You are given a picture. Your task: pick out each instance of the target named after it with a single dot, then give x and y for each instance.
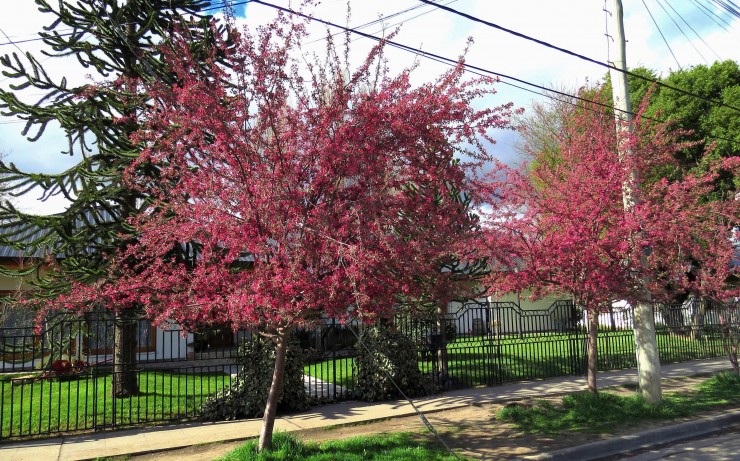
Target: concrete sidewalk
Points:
(146, 440)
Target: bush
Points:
(383, 357)
(247, 396)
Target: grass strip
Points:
(604, 412)
(400, 446)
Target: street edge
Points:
(631, 442)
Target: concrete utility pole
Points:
(648, 361)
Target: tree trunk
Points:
(125, 380)
(442, 331)
(276, 388)
(697, 325)
(612, 322)
(593, 331)
(728, 321)
(674, 318)
(648, 360)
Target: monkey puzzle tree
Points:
(333, 183)
(112, 39)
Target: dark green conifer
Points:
(110, 38)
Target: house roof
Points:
(24, 233)
(27, 235)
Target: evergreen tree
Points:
(111, 39)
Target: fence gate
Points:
(488, 343)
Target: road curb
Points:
(651, 438)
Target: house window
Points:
(17, 337)
(100, 333)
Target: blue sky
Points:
(577, 25)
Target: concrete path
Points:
(318, 388)
(146, 440)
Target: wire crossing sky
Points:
(695, 31)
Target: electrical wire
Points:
(434, 57)
(385, 18)
(418, 412)
(712, 15)
(680, 29)
(729, 6)
(473, 18)
(661, 34)
(36, 39)
(67, 34)
(692, 30)
(574, 54)
(475, 70)
(11, 41)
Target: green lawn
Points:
(86, 403)
(337, 371)
(470, 359)
(481, 361)
(387, 447)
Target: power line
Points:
(476, 70)
(384, 18)
(16, 42)
(680, 29)
(11, 42)
(692, 30)
(435, 57)
(729, 6)
(496, 26)
(577, 55)
(661, 33)
(418, 412)
(712, 15)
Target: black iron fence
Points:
(61, 379)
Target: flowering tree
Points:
(563, 224)
(301, 190)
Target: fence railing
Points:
(61, 379)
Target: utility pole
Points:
(648, 360)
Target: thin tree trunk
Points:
(730, 335)
(648, 360)
(697, 325)
(125, 381)
(612, 322)
(442, 329)
(276, 388)
(593, 331)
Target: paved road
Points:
(724, 446)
